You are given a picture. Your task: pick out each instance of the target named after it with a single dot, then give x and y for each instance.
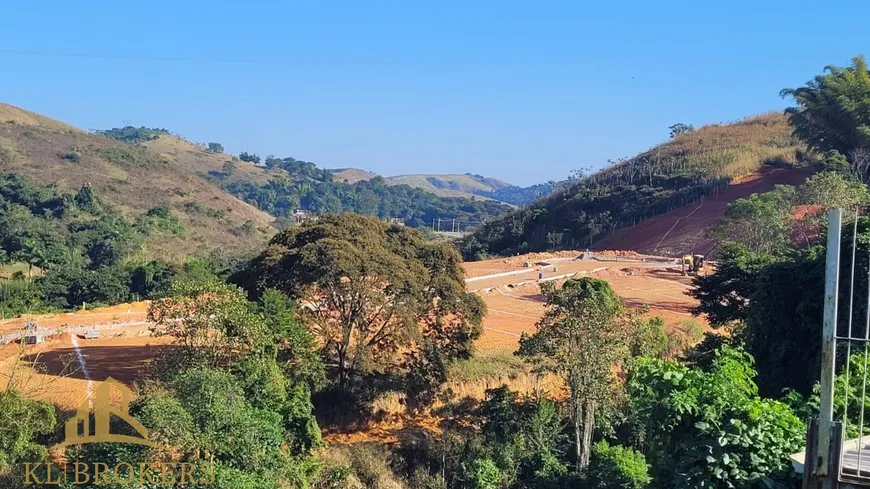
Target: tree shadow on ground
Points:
(123, 363)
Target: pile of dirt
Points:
(619, 254)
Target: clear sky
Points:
(523, 91)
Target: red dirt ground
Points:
(514, 310)
(50, 370)
(122, 313)
(682, 230)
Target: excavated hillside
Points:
(661, 185)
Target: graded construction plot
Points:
(122, 313)
(63, 370)
(515, 304)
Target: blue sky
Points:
(523, 91)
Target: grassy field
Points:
(444, 185)
(6, 271)
(450, 185)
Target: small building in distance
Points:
(397, 221)
(301, 215)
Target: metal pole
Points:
(829, 345)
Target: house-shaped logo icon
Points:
(102, 413)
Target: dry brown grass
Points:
(133, 180)
(193, 157)
(734, 149)
(14, 115)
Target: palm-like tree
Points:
(833, 109)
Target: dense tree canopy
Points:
(371, 292)
(130, 134)
(710, 429)
(316, 192)
(582, 337)
(833, 109)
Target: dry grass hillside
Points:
(194, 157)
(442, 185)
(134, 179)
(352, 175)
(729, 150)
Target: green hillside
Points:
(467, 183)
(667, 176)
(455, 185)
(133, 179)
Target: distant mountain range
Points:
(222, 201)
(455, 185)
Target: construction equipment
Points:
(687, 264)
(692, 264)
(698, 263)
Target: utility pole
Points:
(829, 347)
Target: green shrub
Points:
(693, 329)
(616, 467)
(193, 207)
(131, 157)
(130, 134)
(71, 156)
(483, 473)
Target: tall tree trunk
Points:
(578, 440)
(342, 368)
(584, 423)
(588, 425)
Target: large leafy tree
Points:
(371, 291)
(710, 428)
(211, 325)
(833, 109)
(772, 248)
(582, 337)
(234, 391)
(22, 423)
(723, 297)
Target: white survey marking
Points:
(81, 359)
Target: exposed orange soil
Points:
(497, 265)
(514, 310)
(130, 312)
(51, 371)
(682, 230)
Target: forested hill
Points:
(456, 185)
(667, 176)
(225, 202)
(282, 186)
(132, 180)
